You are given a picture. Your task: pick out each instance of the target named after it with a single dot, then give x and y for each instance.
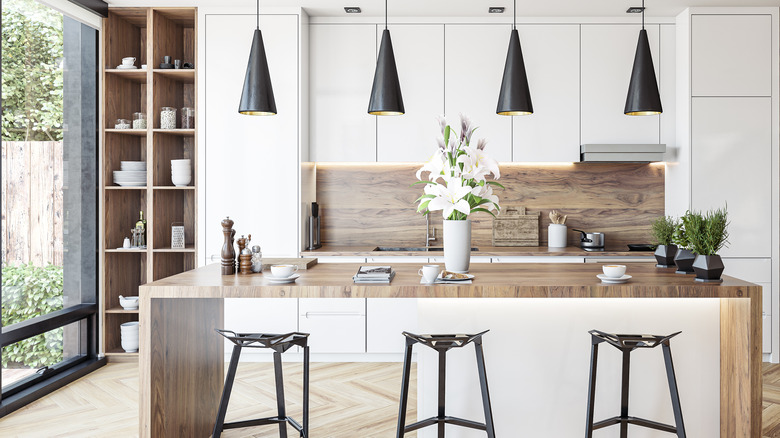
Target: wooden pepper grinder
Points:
(242, 243)
(244, 255)
(228, 250)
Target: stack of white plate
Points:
(129, 338)
(133, 174)
(181, 172)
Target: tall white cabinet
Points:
(729, 140)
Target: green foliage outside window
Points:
(30, 291)
(32, 68)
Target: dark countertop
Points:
(488, 251)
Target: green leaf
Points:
(494, 183)
(474, 210)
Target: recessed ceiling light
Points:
(635, 10)
(496, 10)
(352, 9)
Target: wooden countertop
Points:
(488, 251)
(510, 280)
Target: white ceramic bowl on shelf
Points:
(129, 332)
(128, 303)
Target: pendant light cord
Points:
(258, 14)
(643, 14)
(386, 14)
(514, 16)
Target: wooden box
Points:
(513, 227)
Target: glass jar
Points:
(139, 121)
(168, 118)
(122, 124)
(187, 118)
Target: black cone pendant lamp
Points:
(515, 97)
(643, 98)
(257, 98)
(386, 99)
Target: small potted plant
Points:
(663, 232)
(707, 235)
(684, 257)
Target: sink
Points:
(410, 249)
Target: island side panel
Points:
(184, 359)
(740, 366)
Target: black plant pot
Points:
(664, 255)
(684, 261)
(708, 268)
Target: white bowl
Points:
(129, 325)
(180, 181)
(128, 303)
(130, 345)
(614, 271)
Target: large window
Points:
(49, 200)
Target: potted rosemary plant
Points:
(707, 235)
(684, 257)
(663, 232)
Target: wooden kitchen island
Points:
(182, 359)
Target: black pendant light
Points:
(515, 97)
(257, 98)
(386, 99)
(643, 98)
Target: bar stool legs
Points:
(442, 343)
(223, 402)
(626, 344)
(280, 394)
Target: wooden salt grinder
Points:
(228, 261)
(245, 264)
(242, 242)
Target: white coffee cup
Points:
(143, 66)
(283, 271)
(429, 273)
(614, 271)
(128, 61)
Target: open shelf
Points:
(120, 309)
(135, 75)
(134, 132)
(125, 36)
(187, 248)
(122, 208)
(186, 75)
(171, 147)
(174, 34)
(123, 98)
(179, 132)
(173, 206)
(171, 93)
(120, 148)
(170, 263)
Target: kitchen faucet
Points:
(428, 237)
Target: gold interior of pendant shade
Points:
(386, 113)
(643, 113)
(514, 113)
(257, 113)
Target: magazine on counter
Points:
(374, 272)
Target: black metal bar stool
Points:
(279, 343)
(442, 343)
(626, 344)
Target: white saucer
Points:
(611, 280)
(289, 279)
(126, 67)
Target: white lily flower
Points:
(479, 164)
(449, 197)
(435, 166)
(486, 192)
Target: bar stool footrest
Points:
(264, 422)
(447, 420)
(635, 421)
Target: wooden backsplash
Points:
(373, 204)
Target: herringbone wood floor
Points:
(349, 400)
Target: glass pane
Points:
(22, 359)
(48, 161)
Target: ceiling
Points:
(471, 8)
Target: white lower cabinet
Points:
(340, 259)
(617, 259)
(543, 259)
(474, 259)
(335, 325)
(390, 260)
(260, 315)
(386, 318)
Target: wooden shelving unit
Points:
(147, 34)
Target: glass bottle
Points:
(141, 223)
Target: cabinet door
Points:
(342, 62)
(386, 318)
(541, 259)
(336, 325)
(731, 154)
(390, 260)
(731, 55)
(607, 60)
(260, 315)
(244, 155)
(475, 56)
(419, 57)
(552, 63)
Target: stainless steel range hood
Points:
(622, 153)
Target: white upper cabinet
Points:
(732, 163)
(731, 55)
(342, 63)
(552, 63)
(419, 57)
(607, 60)
(475, 57)
(238, 148)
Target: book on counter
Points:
(374, 274)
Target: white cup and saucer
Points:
(283, 274)
(429, 273)
(614, 274)
(127, 63)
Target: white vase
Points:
(457, 245)
(556, 235)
